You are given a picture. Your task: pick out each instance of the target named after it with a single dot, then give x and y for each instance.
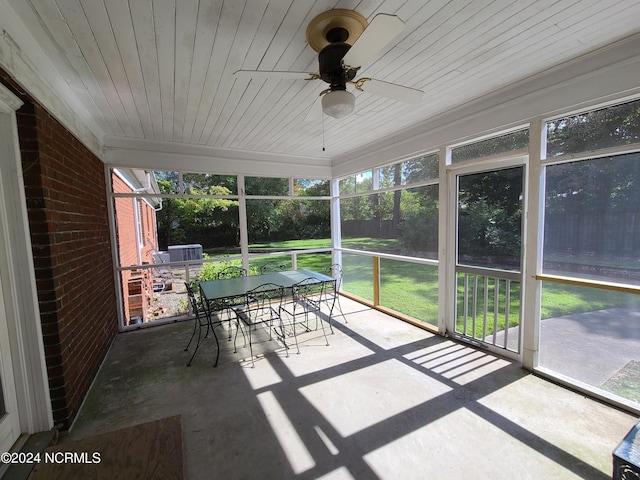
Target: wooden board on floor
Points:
(152, 450)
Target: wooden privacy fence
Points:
(616, 234)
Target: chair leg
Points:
(235, 339)
(295, 334)
(282, 329)
(200, 339)
(253, 363)
(340, 308)
(195, 327)
(217, 346)
(317, 311)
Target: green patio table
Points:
(232, 291)
(229, 288)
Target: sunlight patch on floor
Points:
(291, 443)
(386, 334)
(263, 375)
(341, 473)
(433, 445)
(360, 399)
(456, 362)
(316, 356)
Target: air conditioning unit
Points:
(183, 253)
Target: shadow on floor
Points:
(384, 400)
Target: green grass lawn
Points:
(477, 327)
(412, 289)
(307, 244)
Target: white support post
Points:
(336, 233)
(242, 220)
(532, 247)
(446, 247)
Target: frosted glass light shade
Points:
(338, 103)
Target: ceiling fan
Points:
(346, 42)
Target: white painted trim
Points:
(242, 222)
(114, 246)
(334, 218)
(450, 251)
(607, 75)
(27, 63)
(533, 209)
(446, 298)
(25, 332)
(156, 155)
(10, 421)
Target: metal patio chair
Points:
(306, 298)
(261, 306)
(270, 267)
(332, 291)
(202, 321)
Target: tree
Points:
(195, 220)
(490, 215)
(608, 127)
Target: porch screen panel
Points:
(592, 220)
(402, 222)
(358, 275)
(275, 224)
(410, 289)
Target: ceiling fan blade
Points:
(382, 29)
(279, 75)
(390, 90)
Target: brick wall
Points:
(68, 219)
(137, 289)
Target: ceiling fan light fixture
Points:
(338, 103)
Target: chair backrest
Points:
(272, 267)
(262, 299)
(266, 293)
(232, 272)
(335, 271)
(192, 299)
(308, 287)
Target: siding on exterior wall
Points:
(69, 224)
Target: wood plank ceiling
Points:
(162, 69)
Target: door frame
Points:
(24, 331)
(10, 421)
(453, 171)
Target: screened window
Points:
(168, 182)
(362, 182)
(288, 224)
(608, 127)
(403, 222)
(410, 171)
(311, 188)
(209, 184)
(410, 288)
(592, 221)
(491, 146)
(266, 186)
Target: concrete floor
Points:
(385, 400)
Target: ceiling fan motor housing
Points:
(331, 68)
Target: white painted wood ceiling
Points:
(162, 69)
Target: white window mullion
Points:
(336, 232)
(242, 220)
